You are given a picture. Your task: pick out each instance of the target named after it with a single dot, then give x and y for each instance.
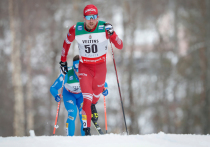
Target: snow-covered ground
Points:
(109, 140)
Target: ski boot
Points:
(87, 131)
(94, 118)
(94, 115)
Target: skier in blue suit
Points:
(72, 96)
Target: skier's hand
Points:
(63, 67)
(58, 98)
(105, 92)
(109, 28)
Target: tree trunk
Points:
(206, 102)
(134, 128)
(18, 123)
(29, 98)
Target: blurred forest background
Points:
(163, 69)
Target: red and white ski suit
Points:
(91, 75)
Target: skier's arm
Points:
(111, 34)
(67, 43)
(56, 86)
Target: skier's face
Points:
(90, 24)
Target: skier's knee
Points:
(71, 115)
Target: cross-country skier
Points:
(92, 37)
(72, 97)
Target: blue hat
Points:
(76, 65)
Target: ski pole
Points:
(58, 108)
(118, 85)
(105, 113)
(56, 118)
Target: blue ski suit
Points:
(72, 100)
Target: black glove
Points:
(64, 67)
(109, 28)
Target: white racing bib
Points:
(92, 45)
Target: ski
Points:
(100, 132)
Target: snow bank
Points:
(109, 140)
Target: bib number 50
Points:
(91, 48)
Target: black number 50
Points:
(92, 48)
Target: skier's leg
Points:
(85, 79)
(99, 81)
(70, 105)
(98, 85)
(86, 116)
(79, 106)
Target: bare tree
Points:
(206, 110)
(18, 124)
(26, 31)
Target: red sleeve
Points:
(115, 40)
(67, 43)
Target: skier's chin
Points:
(91, 26)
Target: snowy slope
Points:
(109, 140)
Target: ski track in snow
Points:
(109, 140)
